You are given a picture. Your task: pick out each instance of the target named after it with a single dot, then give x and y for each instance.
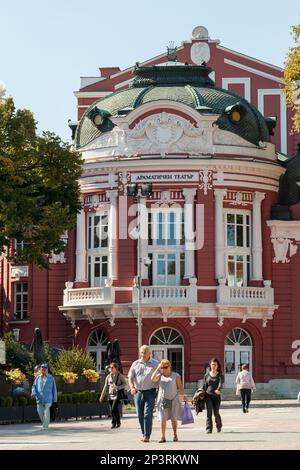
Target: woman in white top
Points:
(168, 402)
(245, 384)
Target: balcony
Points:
(87, 296)
(166, 295)
(250, 296)
(245, 303)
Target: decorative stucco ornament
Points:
(206, 180)
(281, 247)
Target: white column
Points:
(219, 234)
(143, 221)
(112, 235)
(189, 234)
(257, 274)
(80, 248)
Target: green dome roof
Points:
(187, 84)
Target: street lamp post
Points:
(145, 190)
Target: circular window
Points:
(238, 336)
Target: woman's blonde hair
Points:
(166, 362)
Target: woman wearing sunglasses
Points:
(168, 402)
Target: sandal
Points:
(162, 439)
(175, 439)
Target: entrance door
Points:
(96, 347)
(167, 343)
(238, 351)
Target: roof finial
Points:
(172, 52)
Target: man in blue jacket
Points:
(44, 391)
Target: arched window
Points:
(238, 336)
(237, 351)
(167, 343)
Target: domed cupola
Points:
(187, 84)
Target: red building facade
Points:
(213, 269)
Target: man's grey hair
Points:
(146, 348)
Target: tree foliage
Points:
(39, 192)
(17, 356)
(73, 360)
(292, 79)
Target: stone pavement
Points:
(268, 425)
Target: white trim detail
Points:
(91, 94)
(261, 93)
(252, 70)
(112, 195)
(246, 81)
(121, 84)
(80, 248)
(283, 234)
(252, 59)
(219, 234)
(257, 248)
(189, 265)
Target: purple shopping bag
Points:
(187, 417)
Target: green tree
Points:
(17, 356)
(39, 192)
(292, 79)
(73, 360)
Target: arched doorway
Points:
(96, 346)
(238, 351)
(167, 343)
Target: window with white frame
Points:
(167, 227)
(97, 244)
(21, 301)
(97, 270)
(238, 247)
(166, 245)
(97, 231)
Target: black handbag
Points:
(53, 411)
(166, 403)
(122, 395)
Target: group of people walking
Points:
(148, 378)
(151, 381)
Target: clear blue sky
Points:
(46, 45)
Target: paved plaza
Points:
(268, 425)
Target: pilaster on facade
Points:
(112, 195)
(219, 234)
(81, 276)
(143, 233)
(189, 233)
(257, 248)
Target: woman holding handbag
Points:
(168, 402)
(114, 383)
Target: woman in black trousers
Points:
(212, 384)
(114, 382)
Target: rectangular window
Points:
(97, 270)
(238, 230)
(167, 227)
(97, 231)
(21, 301)
(238, 248)
(168, 269)
(238, 270)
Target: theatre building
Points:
(189, 230)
